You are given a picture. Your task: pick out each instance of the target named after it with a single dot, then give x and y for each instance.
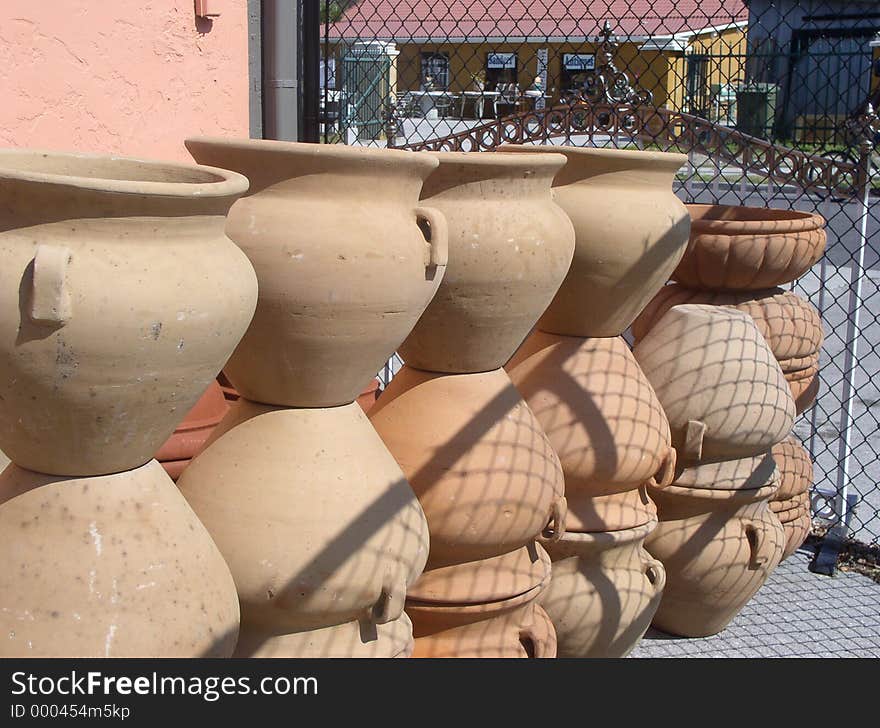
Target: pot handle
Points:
(667, 470)
(693, 440)
(555, 528)
(538, 642)
(389, 606)
(755, 535)
(50, 296)
(438, 245)
(656, 573)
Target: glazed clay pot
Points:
(718, 548)
(603, 592)
(109, 566)
(759, 471)
(344, 269)
(790, 325)
(192, 433)
(598, 410)
(804, 385)
(630, 233)
(352, 639)
(589, 513)
(723, 392)
(315, 519)
(476, 457)
(111, 326)
(510, 247)
(795, 468)
(749, 248)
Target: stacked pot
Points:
(738, 258)
(321, 530)
(579, 377)
(485, 473)
(110, 330)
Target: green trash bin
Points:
(756, 108)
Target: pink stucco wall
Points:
(131, 77)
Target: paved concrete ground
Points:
(795, 614)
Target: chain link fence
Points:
(772, 101)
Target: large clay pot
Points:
(109, 566)
(598, 410)
(759, 471)
(111, 325)
(344, 269)
(588, 513)
(718, 548)
(749, 248)
(603, 592)
(510, 247)
(631, 231)
(722, 390)
(351, 639)
(795, 468)
(192, 433)
(791, 326)
(311, 512)
(485, 473)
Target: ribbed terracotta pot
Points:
(722, 390)
(630, 233)
(109, 566)
(796, 532)
(111, 325)
(718, 548)
(351, 639)
(759, 471)
(795, 468)
(476, 457)
(344, 268)
(598, 410)
(510, 247)
(316, 521)
(804, 385)
(749, 248)
(603, 592)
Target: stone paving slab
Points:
(796, 614)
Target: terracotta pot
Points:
(796, 533)
(229, 392)
(630, 233)
(316, 521)
(804, 385)
(723, 392)
(109, 566)
(604, 592)
(612, 512)
(795, 468)
(598, 410)
(193, 431)
(488, 580)
(791, 326)
(718, 548)
(749, 248)
(792, 508)
(510, 246)
(368, 396)
(485, 473)
(352, 639)
(344, 270)
(110, 323)
(515, 627)
(745, 474)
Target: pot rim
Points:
(549, 160)
(716, 494)
(623, 155)
(501, 605)
(217, 182)
(607, 538)
(752, 220)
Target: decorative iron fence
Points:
(772, 102)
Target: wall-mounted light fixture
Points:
(206, 9)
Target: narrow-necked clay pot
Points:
(796, 532)
(718, 548)
(487, 580)
(192, 433)
(598, 410)
(111, 325)
(630, 233)
(804, 385)
(510, 247)
(791, 326)
(482, 467)
(722, 390)
(603, 593)
(795, 468)
(749, 248)
(311, 512)
(589, 513)
(744, 474)
(352, 639)
(344, 269)
(109, 566)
